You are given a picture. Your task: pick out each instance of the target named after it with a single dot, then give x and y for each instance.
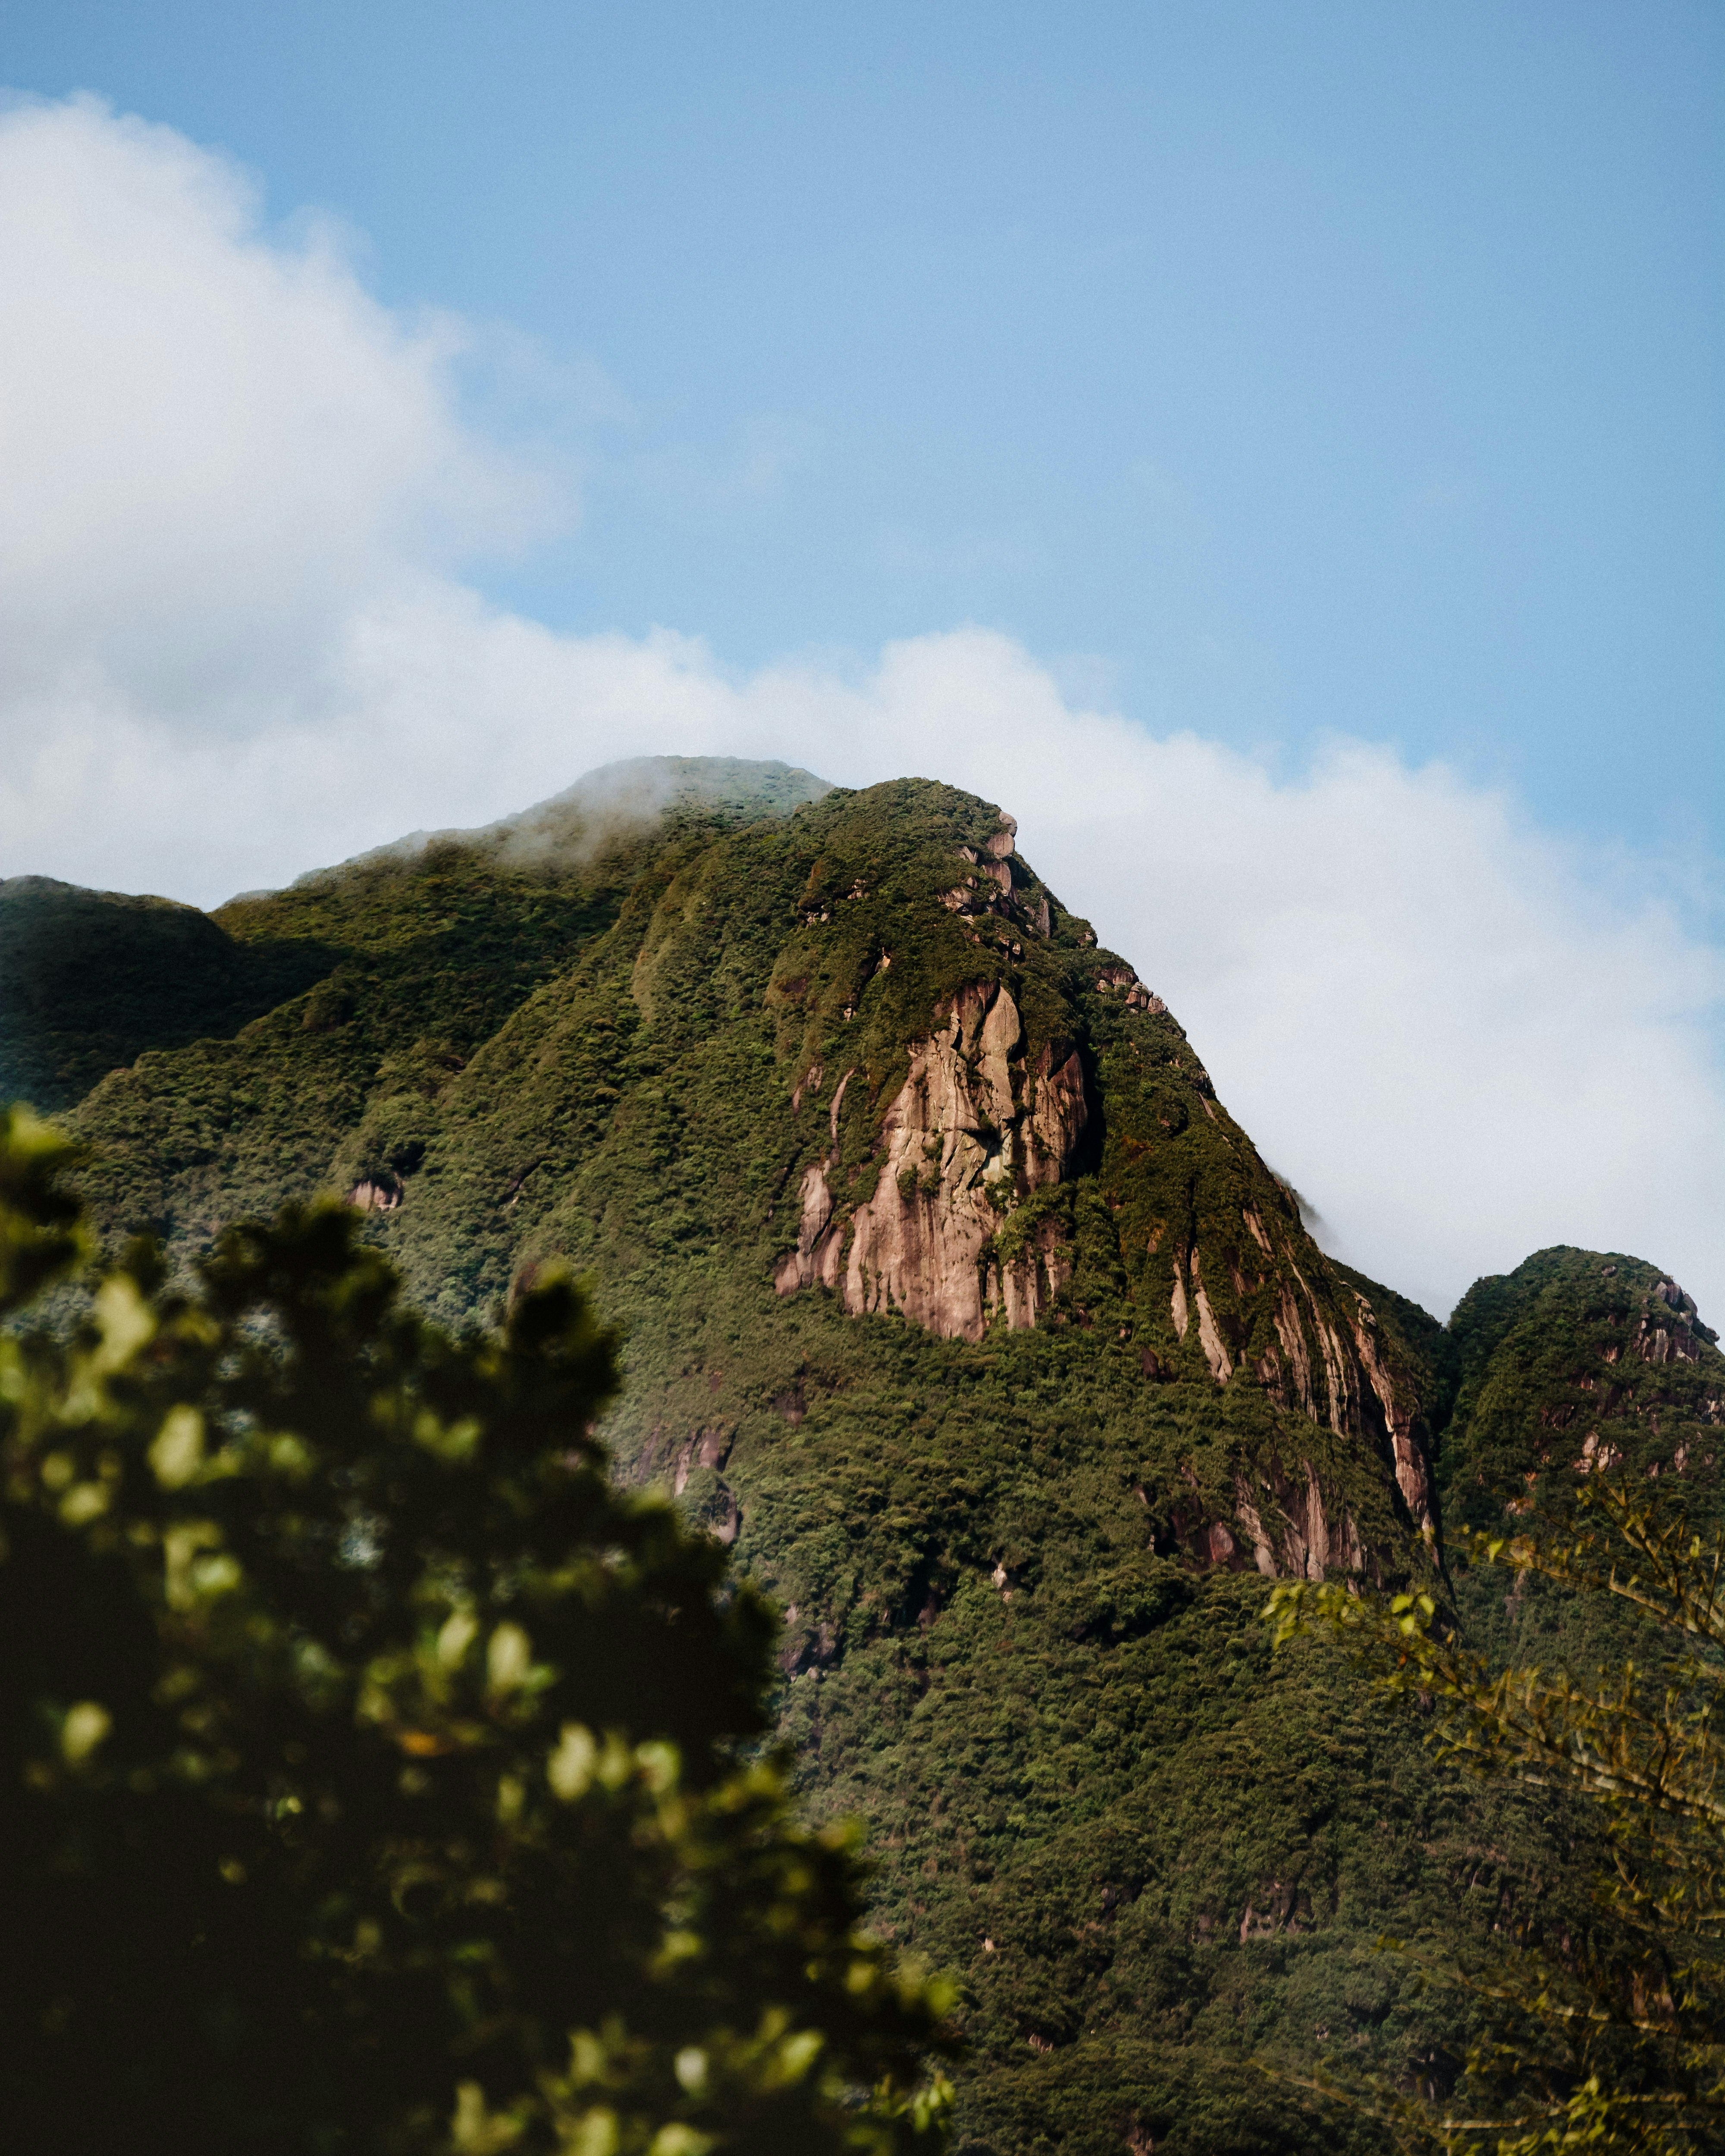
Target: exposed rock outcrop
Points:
(1303, 1535)
(970, 1132)
(989, 887)
(1282, 1524)
(373, 1195)
(818, 1252)
(977, 1128)
(1672, 1341)
(1395, 1404)
(1209, 1337)
(1334, 1377)
(1118, 977)
(707, 1447)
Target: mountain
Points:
(89, 980)
(1578, 1363)
(961, 1307)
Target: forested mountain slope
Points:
(1577, 1363)
(962, 1307)
(91, 979)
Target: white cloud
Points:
(234, 492)
(210, 441)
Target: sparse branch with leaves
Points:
(1617, 2042)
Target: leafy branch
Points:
(1618, 2044)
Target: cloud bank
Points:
(236, 496)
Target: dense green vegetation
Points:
(89, 980)
(1014, 1641)
(1613, 2040)
(374, 1774)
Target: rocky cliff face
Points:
(971, 1130)
(952, 1166)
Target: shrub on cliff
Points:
(374, 1774)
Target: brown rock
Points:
(955, 1138)
(375, 1196)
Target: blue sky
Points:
(1274, 451)
(1264, 370)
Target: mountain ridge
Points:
(957, 1304)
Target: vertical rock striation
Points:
(970, 1132)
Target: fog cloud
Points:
(236, 493)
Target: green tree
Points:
(374, 1774)
(1615, 2039)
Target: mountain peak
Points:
(959, 1304)
(1577, 1360)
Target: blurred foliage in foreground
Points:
(1613, 2040)
(376, 1774)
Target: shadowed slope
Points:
(91, 979)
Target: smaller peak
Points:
(39, 891)
(40, 886)
(1567, 1266)
(911, 810)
